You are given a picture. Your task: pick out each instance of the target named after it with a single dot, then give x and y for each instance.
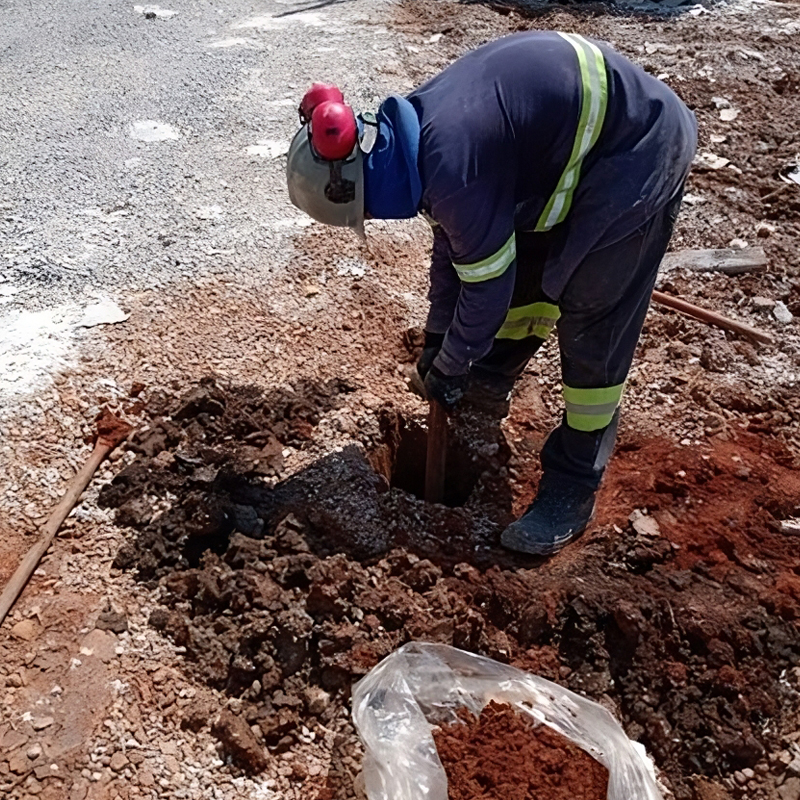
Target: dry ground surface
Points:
(258, 544)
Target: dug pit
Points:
(286, 587)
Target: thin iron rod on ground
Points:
(104, 445)
(711, 317)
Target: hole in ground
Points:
(406, 464)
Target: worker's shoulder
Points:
(516, 51)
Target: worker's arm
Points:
(478, 223)
(445, 285)
(477, 238)
(480, 313)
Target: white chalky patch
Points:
(268, 149)
(161, 13)
(232, 42)
(106, 312)
(35, 345)
(267, 22)
(149, 130)
(294, 222)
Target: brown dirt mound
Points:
(285, 588)
(503, 756)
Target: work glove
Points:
(433, 344)
(447, 390)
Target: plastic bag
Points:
(422, 685)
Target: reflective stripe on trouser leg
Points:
(536, 319)
(591, 409)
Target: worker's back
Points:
(498, 130)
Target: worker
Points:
(551, 170)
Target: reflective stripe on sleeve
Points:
(492, 267)
(591, 409)
(536, 319)
(594, 99)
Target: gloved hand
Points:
(433, 344)
(447, 390)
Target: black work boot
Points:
(562, 510)
(574, 462)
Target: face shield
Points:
(331, 192)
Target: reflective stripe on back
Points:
(594, 99)
(491, 267)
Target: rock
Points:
(299, 771)
(198, 714)
(99, 644)
(762, 305)
(317, 700)
(644, 525)
(280, 699)
(749, 353)
(239, 742)
(42, 722)
(45, 771)
(789, 789)
(18, 764)
(739, 778)
(34, 751)
(764, 229)
(794, 765)
(112, 620)
(748, 773)
(422, 576)
(27, 630)
(782, 313)
(12, 740)
(172, 764)
(168, 748)
(715, 357)
(118, 762)
(145, 776)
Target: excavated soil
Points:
(501, 755)
(286, 588)
(288, 566)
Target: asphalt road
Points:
(87, 206)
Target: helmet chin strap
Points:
(368, 131)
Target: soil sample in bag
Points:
(506, 756)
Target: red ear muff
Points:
(333, 130)
(318, 93)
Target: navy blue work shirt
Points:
(497, 130)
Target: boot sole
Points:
(513, 538)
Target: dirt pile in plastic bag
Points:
(502, 756)
(286, 588)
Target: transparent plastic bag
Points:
(422, 685)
